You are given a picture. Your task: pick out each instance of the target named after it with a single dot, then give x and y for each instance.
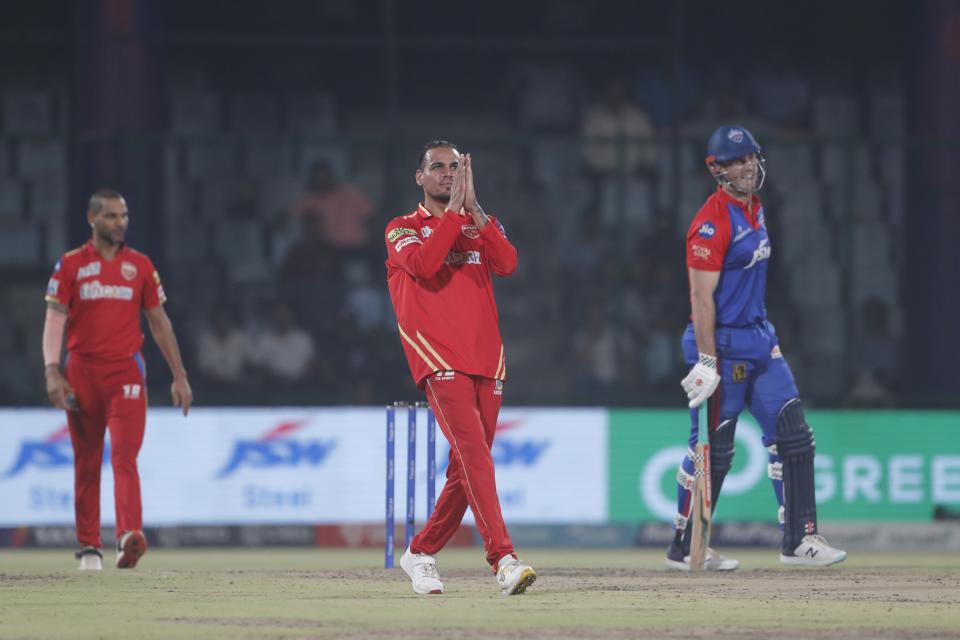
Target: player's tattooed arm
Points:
(470, 203)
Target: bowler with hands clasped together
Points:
(440, 262)
(736, 359)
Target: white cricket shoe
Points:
(814, 551)
(90, 559)
(422, 569)
(715, 562)
(514, 576)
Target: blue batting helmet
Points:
(730, 142)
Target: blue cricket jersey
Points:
(729, 237)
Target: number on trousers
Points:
(131, 391)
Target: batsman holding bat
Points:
(736, 362)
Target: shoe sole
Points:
(805, 562)
(133, 550)
(527, 578)
(676, 565)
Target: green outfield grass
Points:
(310, 593)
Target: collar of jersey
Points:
(423, 211)
(751, 212)
(93, 250)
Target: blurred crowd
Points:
(274, 205)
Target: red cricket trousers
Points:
(466, 408)
(109, 395)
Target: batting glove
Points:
(702, 380)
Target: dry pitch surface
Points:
(309, 593)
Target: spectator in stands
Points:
(284, 352)
(721, 105)
(617, 117)
(343, 211)
(780, 94)
(311, 257)
(223, 349)
(600, 347)
(16, 388)
(874, 358)
(583, 246)
(547, 94)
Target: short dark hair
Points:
(96, 200)
(434, 144)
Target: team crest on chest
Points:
(128, 270)
(470, 230)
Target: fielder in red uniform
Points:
(97, 291)
(439, 261)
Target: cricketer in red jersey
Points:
(439, 262)
(97, 291)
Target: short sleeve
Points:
(707, 241)
(60, 285)
(153, 293)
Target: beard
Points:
(108, 236)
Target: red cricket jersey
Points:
(104, 298)
(438, 272)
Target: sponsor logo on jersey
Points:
(775, 352)
(742, 233)
(95, 291)
(56, 267)
(760, 253)
(87, 270)
(400, 231)
(498, 388)
(700, 251)
(470, 230)
(707, 230)
(161, 294)
(128, 270)
(735, 135)
(411, 240)
(761, 219)
(276, 448)
(52, 287)
(502, 230)
(463, 257)
(426, 231)
(443, 376)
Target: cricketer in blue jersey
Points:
(736, 360)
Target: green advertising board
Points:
(871, 466)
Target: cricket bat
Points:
(702, 506)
